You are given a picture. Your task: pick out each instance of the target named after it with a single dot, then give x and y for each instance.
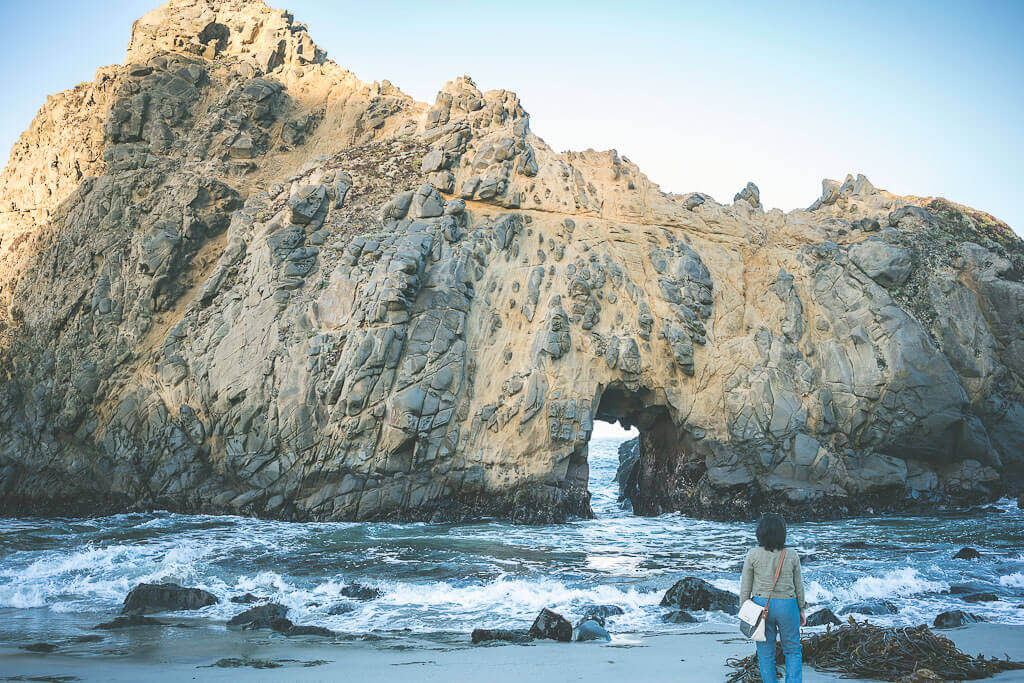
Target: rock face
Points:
(236, 279)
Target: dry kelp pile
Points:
(863, 650)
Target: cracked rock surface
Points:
(236, 279)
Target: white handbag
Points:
(752, 615)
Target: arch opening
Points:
(655, 468)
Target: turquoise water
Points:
(453, 578)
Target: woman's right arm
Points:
(746, 580)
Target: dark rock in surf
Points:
(599, 613)
(954, 618)
(271, 615)
(870, 607)
(487, 635)
(980, 597)
(128, 622)
(341, 608)
(165, 597)
(823, 617)
(591, 630)
(358, 591)
(248, 599)
(39, 647)
(552, 626)
(301, 630)
(967, 554)
(692, 593)
(678, 616)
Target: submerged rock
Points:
(248, 599)
(128, 622)
(486, 635)
(870, 607)
(823, 617)
(678, 617)
(967, 554)
(166, 597)
(39, 647)
(954, 618)
(272, 616)
(692, 593)
(357, 591)
(980, 597)
(600, 613)
(552, 626)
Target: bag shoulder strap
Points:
(778, 570)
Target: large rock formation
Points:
(234, 278)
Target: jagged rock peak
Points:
(221, 29)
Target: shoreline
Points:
(171, 654)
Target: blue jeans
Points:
(784, 620)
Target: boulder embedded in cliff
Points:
(552, 626)
(692, 593)
(886, 264)
(165, 597)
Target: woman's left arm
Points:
(798, 587)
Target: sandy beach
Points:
(172, 654)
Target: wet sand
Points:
(174, 654)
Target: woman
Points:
(787, 607)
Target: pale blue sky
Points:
(923, 97)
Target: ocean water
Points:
(443, 578)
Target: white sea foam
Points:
(893, 583)
(1015, 580)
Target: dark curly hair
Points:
(771, 532)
